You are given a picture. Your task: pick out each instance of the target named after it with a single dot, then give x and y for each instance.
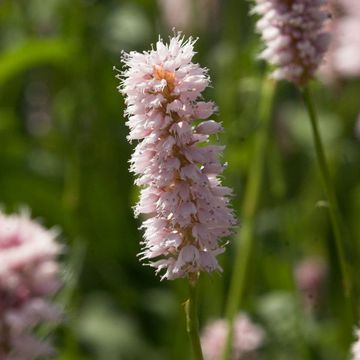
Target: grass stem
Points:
(245, 237)
(335, 217)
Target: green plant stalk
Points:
(245, 236)
(333, 207)
(192, 321)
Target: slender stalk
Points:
(246, 235)
(333, 207)
(192, 321)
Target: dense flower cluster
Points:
(182, 196)
(248, 337)
(293, 31)
(28, 276)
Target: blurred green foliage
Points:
(64, 154)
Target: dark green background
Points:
(64, 154)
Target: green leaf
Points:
(34, 52)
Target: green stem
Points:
(333, 207)
(192, 321)
(246, 235)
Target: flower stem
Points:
(192, 321)
(246, 235)
(333, 207)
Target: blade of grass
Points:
(245, 236)
(335, 216)
(35, 52)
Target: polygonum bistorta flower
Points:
(29, 275)
(293, 31)
(186, 206)
(247, 338)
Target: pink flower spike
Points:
(248, 338)
(29, 276)
(187, 208)
(293, 32)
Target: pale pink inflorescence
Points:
(310, 276)
(248, 338)
(29, 275)
(355, 348)
(343, 59)
(177, 13)
(293, 31)
(189, 14)
(186, 206)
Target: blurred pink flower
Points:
(248, 337)
(187, 208)
(294, 37)
(351, 7)
(310, 275)
(189, 14)
(346, 55)
(177, 13)
(355, 348)
(343, 57)
(28, 276)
